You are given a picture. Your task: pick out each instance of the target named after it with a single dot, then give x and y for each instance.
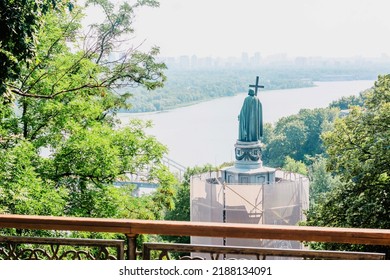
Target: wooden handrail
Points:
(134, 227)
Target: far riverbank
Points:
(173, 106)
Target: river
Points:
(206, 132)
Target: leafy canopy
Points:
(62, 148)
(20, 21)
(298, 136)
(359, 153)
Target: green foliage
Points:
(345, 102)
(294, 166)
(321, 181)
(359, 153)
(20, 21)
(358, 147)
(22, 190)
(297, 136)
(65, 104)
(70, 64)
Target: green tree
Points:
(297, 136)
(345, 102)
(359, 153)
(65, 103)
(20, 21)
(294, 166)
(22, 190)
(321, 181)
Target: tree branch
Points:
(51, 96)
(49, 52)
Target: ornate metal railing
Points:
(38, 248)
(11, 248)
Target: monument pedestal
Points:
(248, 168)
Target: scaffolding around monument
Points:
(280, 203)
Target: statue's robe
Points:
(251, 120)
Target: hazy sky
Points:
(223, 28)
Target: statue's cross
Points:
(256, 86)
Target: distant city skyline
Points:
(248, 60)
(300, 28)
(256, 59)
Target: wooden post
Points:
(131, 246)
(145, 252)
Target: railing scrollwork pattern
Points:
(36, 248)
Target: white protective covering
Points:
(282, 203)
